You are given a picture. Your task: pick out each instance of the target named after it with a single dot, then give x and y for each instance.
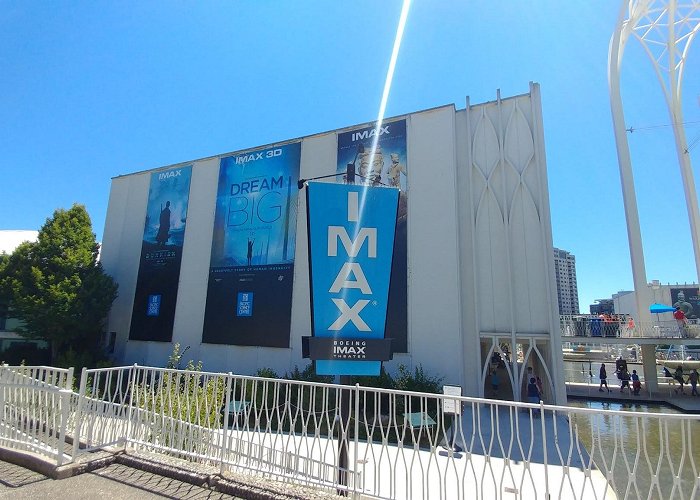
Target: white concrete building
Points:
(567, 286)
(480, 269)
(684, 295)
(11, 238)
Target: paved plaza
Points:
(114, 482)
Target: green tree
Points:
(58, 289)
(4, 295)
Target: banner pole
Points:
(344, 380)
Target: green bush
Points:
(266, 373)
(383, 381)
(182, 405)
(308, 374)
(417, 381)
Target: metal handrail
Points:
(291, 430)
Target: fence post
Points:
(227, 411)
(64, 398)
(79, 413)
(3, 371)
(132, 390)
(357, 441)
(69, 379)
(544, 449)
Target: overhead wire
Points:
(650, 127)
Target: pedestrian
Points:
(678, 375)
(681, 321)
(603, 374)
(533, 394)
(693, 379)
(624, 380)
(495, 382)
(540, 385)
(636, 384)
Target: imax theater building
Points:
(214, 253)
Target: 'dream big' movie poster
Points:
(249, 295)
(387, 166)
(161, 254)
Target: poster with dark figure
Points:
(386, 165)
(249, 294)
(688, 300)
(161, 254)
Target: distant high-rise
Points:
(567, 287)
(603, 306)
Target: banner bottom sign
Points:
(354, 349)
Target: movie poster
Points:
(387, 166)
(161, 254)
(688, 300)
(249, 295)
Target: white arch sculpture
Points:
(665, 29)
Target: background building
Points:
(13, 348)
(473, 271)
(684, 295)
(567, 287)
(603, 306)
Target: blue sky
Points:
(91, 90)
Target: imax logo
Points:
(349, 349)
(250, 157)
(366, 134)
(272, 153)
(351, 274)
(169, 175)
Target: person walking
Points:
(693, 379)
(681, 321)
(678, 375)
(636, 384)
(603, 374)
(624, 380)
(533, 394)
(495, 382)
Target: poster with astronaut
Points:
(379, 157)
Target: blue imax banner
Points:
(351, 241)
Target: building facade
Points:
(473, 270)
(683, 295)
(567, 286)
(603, 306)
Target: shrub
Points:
(418, 381)
(266, 373)
(383, 381)
(182, 406)
(308, 374)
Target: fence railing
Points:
(622, 327)
(35, 409)
(369, 442)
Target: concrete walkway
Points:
(667, 394)
(113, 482)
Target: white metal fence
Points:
(624, 327)
(35, 409)
(372, 443)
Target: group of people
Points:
(627, 380)
(679, 377)
(534, 388)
